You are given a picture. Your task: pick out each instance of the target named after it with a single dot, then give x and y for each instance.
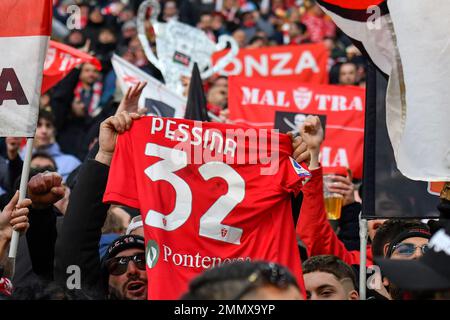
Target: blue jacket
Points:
(65, 163)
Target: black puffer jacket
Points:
(78, 242)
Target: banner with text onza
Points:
(285, 103)
(305, 63)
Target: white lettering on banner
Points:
(356, 104)
(68, 61)
(340, 158)
(283, 58)
(338, 103)
(305, 62)
(250, 96)
(268, 98)
(302, 98)
(253, 96)
(49, 58)
(262, 67)
(196, 260)
(281, 99)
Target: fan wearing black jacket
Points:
(78, 243)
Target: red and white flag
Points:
(25, 30)
(60, 60)
(408, 40)
(156, 97)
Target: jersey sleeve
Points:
(121, 187)
(292, 175)
(314, 229)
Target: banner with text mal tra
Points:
(285, 103)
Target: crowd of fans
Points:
(64, 222)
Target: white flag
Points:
(25, 29)
(156, 97)
(409, 41)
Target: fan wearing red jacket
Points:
(313, 227)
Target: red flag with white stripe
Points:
(408, 40)
(25, 30)
(60, 60)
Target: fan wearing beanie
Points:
(123, 269)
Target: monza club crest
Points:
(302, 97)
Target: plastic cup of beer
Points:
(333, 201)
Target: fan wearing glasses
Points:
(400, 239)
(123, 268)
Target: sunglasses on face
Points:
(408, 249)
(119, 265)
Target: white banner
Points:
(156, 97)
(409, 41)
(23, 48)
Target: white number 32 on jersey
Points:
(211, 221)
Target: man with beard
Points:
(121, 273)
(123, 267)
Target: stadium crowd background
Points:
(68, 131)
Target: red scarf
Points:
(94, 105)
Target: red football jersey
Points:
(209, 193)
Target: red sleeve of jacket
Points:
(314, 229)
